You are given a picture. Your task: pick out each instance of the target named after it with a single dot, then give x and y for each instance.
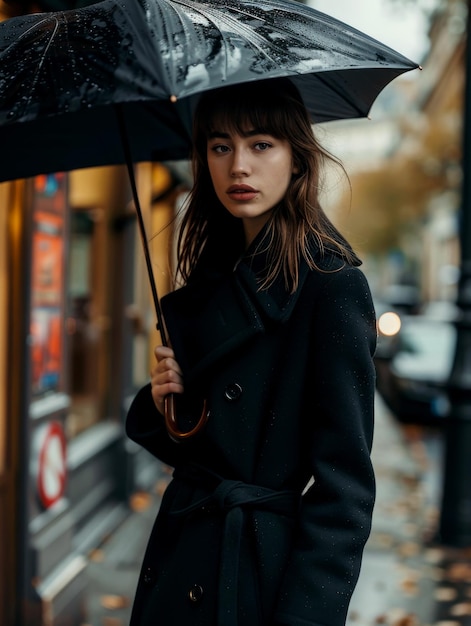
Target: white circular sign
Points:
(52, 471)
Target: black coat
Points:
(290, 384)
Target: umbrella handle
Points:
(171, 421)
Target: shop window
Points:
(87, 324)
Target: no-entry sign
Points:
(52, 464)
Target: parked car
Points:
(402, 298)
(413, 381)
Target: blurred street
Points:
(406, 579)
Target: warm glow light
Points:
(389, 324)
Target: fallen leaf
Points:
(459, 572)
(445, 594)
(140, 501)
(114, 602)
(396, 615)
(434, 555)
(97, 556)
(410, 586)
(406, 620)
(461, 609)
(383, 539)
(408, 549)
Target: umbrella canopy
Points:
(62, 74)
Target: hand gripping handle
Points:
(171, 420)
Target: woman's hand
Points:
(166, 376)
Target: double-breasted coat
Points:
(270, 506)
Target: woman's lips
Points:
(242, 193)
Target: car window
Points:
(427, 339)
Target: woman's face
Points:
(250, 174)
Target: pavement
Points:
(406, 578)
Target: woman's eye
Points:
(220, 149)
(262, 146)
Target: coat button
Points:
(196, 593)
(233, 392)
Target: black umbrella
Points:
(117, 81)
(60, 73)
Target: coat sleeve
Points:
(145, 425)
(336, 510)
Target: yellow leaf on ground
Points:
(114, 602)
(98, 556)
(459, 572)
(112, 621)
(445, 594)
(461, 609)
(408, 549)
(140, 501)
(410, 586)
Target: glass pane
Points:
(84, 337)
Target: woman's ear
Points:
(295, 166)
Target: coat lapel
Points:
(214, 315)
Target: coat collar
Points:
(223, 309)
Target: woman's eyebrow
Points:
(218, 134)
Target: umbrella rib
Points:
(216, 18)
(44, 54)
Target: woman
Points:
(270, 506)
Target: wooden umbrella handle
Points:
(171, 420)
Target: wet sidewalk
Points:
(405, 579)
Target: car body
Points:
(413, 380)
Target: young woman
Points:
(272, 337)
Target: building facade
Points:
(77, 330)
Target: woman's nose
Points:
(240, 165)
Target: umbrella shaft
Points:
(140, 221)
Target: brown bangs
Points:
(241, 117)
(265, 108)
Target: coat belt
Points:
(232, 497)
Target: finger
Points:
(163, 352)
(166, 376)
(167, 364)
(160, 391)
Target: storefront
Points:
(78, 330)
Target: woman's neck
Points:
(252, 227)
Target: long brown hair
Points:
(275, 107)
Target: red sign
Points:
(52, 468)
